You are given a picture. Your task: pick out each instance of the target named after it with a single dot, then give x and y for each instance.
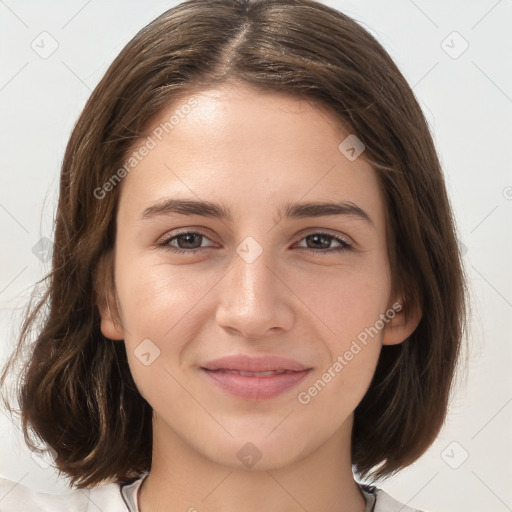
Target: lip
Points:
(224, 372)
(262, 363)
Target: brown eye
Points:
(321, 243)
(186, 242)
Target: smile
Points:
(255, 385)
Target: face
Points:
(258, 316)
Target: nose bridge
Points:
(252, 298)
(252, 270)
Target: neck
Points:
(181, 479)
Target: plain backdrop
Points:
(455, 55)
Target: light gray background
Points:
(468, 104)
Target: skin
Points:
(251, 151)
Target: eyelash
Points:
(344, 245)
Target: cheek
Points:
(160, 317)
(346, 308)
(345, 302)
(156, 297)
(351, 330)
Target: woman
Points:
(256, 293)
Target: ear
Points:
(401, 326)
(110, 322)
(106, 298)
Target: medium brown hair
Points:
(76, 391)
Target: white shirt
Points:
(113, 497)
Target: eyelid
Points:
(302, 234)
(325, 231)
(345, 242)
(181, 231)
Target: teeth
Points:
(256, 374)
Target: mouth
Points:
(253, 374)
(255, 378)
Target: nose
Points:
(254, 300)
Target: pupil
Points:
(319, 237)
(189, 238)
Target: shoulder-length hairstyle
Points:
(76, 392)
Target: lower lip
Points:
(255, 388)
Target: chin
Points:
(259, 452)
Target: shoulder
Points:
(379, 501)
(14, 497)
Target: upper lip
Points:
(262, 363)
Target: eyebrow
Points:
(288, 210)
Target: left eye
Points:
(325, 240)
(190, 242)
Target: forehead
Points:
(249, 120)
(243, 146)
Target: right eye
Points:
(184, 242)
